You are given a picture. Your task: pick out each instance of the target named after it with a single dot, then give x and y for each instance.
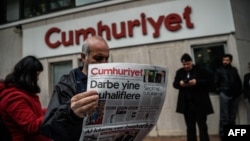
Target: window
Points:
(3, 12)
(209, 57)
(14, 10)
(56, 5)
(11, 10)
(84, 2)
(33, 8)
(59, 69)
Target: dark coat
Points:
(60, 123)
(197, 95)
(246, 86)
(227, 80)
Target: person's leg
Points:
(233, 110)
(190, 121)
(248, 110)
(224, 105)
(202, 124)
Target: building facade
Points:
(155, 32)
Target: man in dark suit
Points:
(228, 83)
(193, 99)
(246, 90)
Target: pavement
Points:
(177, 138)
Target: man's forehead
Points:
(187, 63)
(99, 53)
(226, 58)
(98, 48)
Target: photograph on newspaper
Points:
(131, 97)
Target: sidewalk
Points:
(177, 138)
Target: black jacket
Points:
(60, 123)
(246, 86)
(197, 95)
(227, 80)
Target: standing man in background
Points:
(227, 81)
(246, 90)
(193, 99)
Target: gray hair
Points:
(85, 48)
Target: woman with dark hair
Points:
(20, 107)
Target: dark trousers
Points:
(228, 111)
(191, 119)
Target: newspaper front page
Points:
(131, 97)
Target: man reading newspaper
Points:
(70, 101)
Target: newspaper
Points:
(131, 97)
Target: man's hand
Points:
(183, 84)
(84, 103)
(191, 82)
